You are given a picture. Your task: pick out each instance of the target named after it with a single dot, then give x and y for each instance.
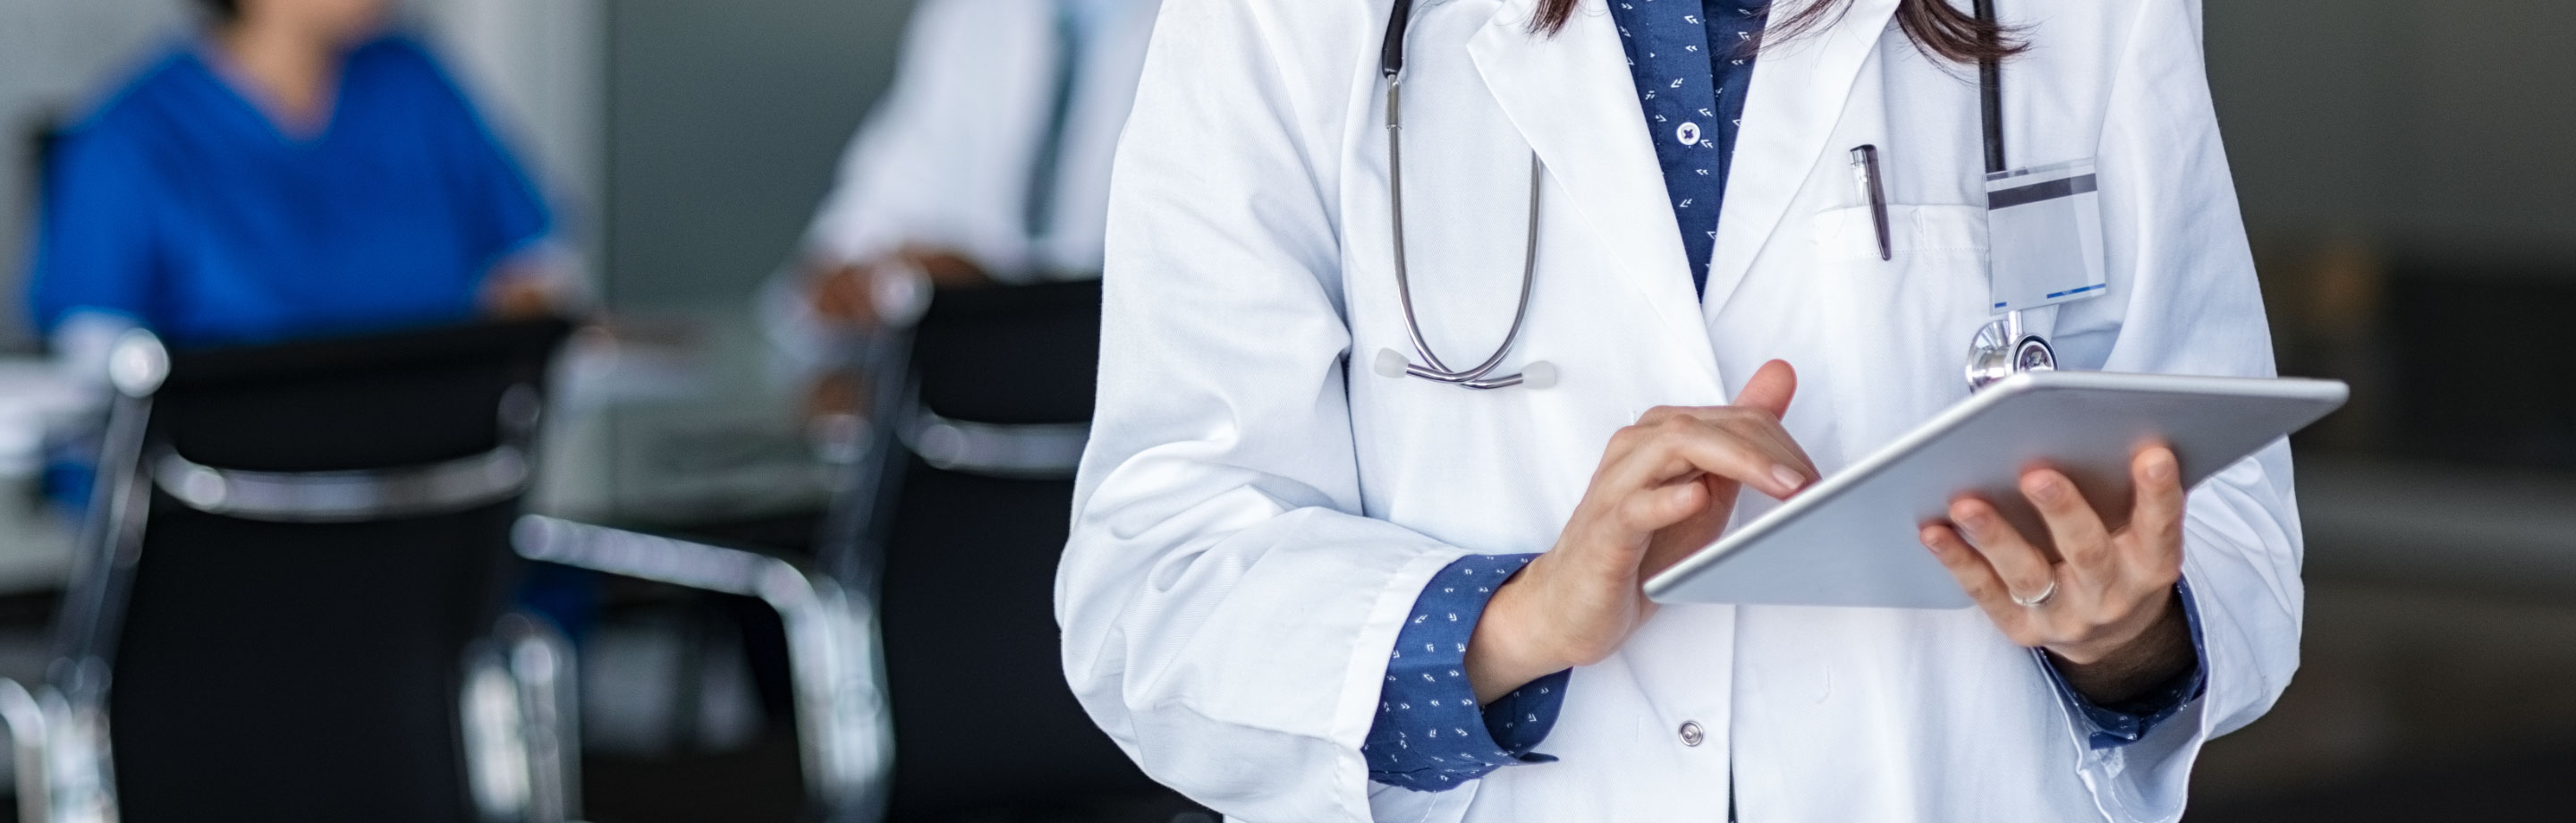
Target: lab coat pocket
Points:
(1896, 329)
(1850, 235)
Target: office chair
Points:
(833, 667)
(289, 602)
(955, 520)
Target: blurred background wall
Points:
(724, 124)
(2415, 225)
(2418, 124)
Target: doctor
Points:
(1298, 589)
(986, 164)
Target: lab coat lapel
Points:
(1798, 94)
(1572, 99)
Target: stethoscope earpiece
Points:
(1538, 374)
(1390, 363)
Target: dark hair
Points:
(1935, 26)
(223, 10)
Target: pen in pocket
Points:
(1865, 169)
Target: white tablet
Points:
(1850, 539)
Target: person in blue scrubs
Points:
(294, 171)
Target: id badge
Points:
(2044, 236)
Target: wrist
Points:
(1507, 649)
(2158, 652)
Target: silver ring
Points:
(2038, 600)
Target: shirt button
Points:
(1688, 134)
(1691, 734)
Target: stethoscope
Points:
(2000, 348)
(1537, 374)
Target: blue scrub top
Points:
(180, 204)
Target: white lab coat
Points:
(1256, 513)
(945, 159)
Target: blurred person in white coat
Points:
(986, 163)
(1303, 588)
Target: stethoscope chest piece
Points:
(2000, 350)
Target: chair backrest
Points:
(960, 560)
(1025, 356)
(1011, 355)
(307, 537)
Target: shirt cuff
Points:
(1429, 734)
(2128, 721)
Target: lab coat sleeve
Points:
(1227, 611)
(2177, 249)
(911, 174)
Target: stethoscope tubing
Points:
(1432, 367)
(1990, 96)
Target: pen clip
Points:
(1860, 171)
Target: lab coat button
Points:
(1691, 734)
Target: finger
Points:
(2025, 571)
(1677, 443)
(1655, 508)
(1628, 439)
(1770, 388)
(1622, 442)
(1622, 532)
(1978, 579)
(1750, 423)
(1652, 422)
(1754, 424)
(1800, 451)
(2082, 541)
(1659, 414)
(1751, 460)
(2155, 524)
(1617, 524)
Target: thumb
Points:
(1770, 388)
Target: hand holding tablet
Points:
(1855, 539)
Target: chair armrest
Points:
(25, 719)
(842, 724)
(521, 740)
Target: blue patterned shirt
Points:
(1430, 734)
(1692, 61)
